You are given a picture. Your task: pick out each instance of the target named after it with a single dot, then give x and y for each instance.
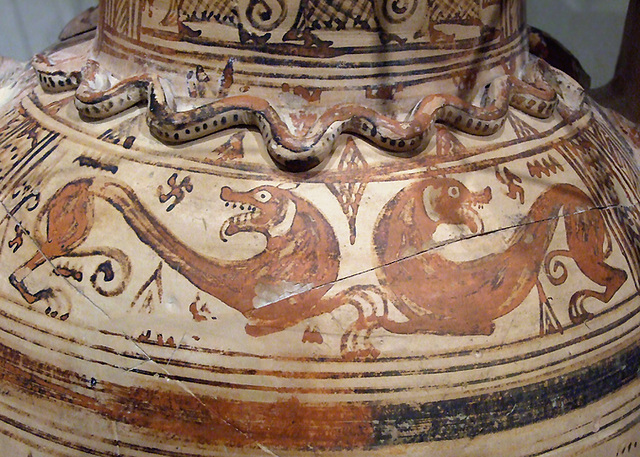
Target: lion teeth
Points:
(250, 212)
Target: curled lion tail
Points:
(104, 272)
(555, 270)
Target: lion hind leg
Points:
(19, 275)
(53, 305)
(29, 297)
(600, 273)
(590, 244)
(48, 252)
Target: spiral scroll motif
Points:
(401, 17)
(265, 15)
(398, 11)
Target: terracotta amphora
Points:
(315, 228)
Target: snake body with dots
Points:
(96, 98)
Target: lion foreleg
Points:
(601, 273)
(372, 306)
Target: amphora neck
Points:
(377, 49)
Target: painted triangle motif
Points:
(353, 167)
(150, 294)
(232, 149)
(448, 146)
(549, 323)
(520, 127)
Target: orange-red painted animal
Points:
(441, 296)
(301, 252)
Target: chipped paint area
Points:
(272, 292)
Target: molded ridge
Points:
(97, 97)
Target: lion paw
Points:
(577, 312)
(150, 337)
(57, 305)
(366, 353)
(485, 328)
(580, 316)
(356, 345)
(56, 314)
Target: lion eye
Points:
(454, 192)
(262, 196)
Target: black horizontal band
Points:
(504, 410)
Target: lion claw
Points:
(581, 318)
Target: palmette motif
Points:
(473, 292)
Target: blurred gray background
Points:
(591, 29)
